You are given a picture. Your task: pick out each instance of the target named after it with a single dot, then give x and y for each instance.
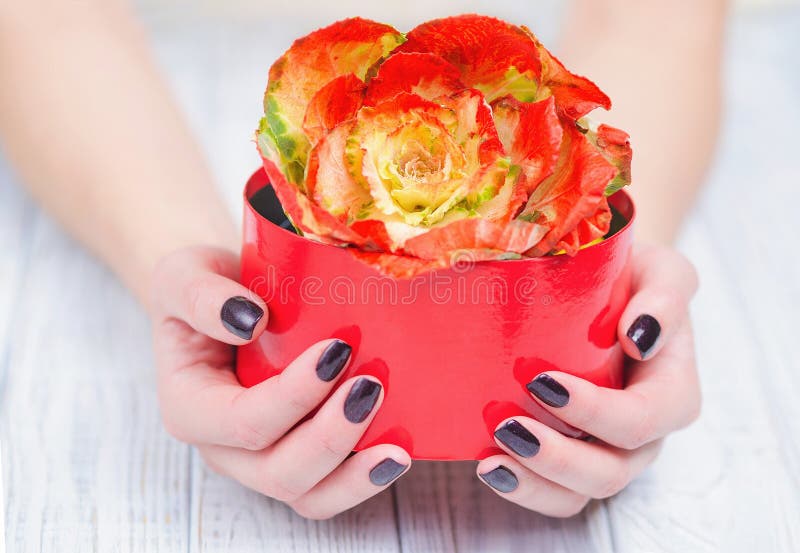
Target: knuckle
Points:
(615, 482)
(667, 297)
(277, 489)
(585, 417)
(332, 447)
(571, 508)
(687, 267)
(296, 396)
(308, 510)
(194, 298)
(174, 429)
(301, 403)
(695, 410)
(211, 463)
(559, 463)
(643, 428)
(249, 436)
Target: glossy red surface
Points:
(453, 348)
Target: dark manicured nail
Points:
(548, 390)
(333, 360)
(501, 479)
(361, 399)
(518, 438)
(644, 333)
(386, 471)
(240, 316)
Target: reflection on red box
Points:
(453, 348)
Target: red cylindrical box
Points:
(453, 348)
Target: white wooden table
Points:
(87, 466)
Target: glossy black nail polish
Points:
(644, 333)
(548, 390)
(518, 439)
(333, 360)
(501, 479)
(240, 316)
(361, 399)
(386, 471)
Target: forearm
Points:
(660, 63)
(92, 130)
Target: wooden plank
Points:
(721, 485)
(228, 517)
(87, 465)
(730, 483)
(14, 220)
(443, 508)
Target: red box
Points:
(453, 348)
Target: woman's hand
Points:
(556, 475)
(252, 434)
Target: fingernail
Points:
(518, 439)
(361, 399)
(548, 390)
(501, 479)
(333, 360)
(386, 471)
(240, 316)
(644, 333)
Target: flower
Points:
(466, 135)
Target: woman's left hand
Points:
(552, 474)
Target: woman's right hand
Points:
(252, 434)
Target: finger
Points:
(591, 469)
(363, 475)
(206, 405)
(198, 286)
(294, 465)
(663, 395)
(663, 284)
(510, 480)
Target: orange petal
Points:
(531, 133)
(307, 216)
(425, 75)
(328, 183)
(398, 266)
(575, 95)
(475, 235)
(573, 192)
(334, 103)
(485, 50)
(347, 46)
(615, 145)
(588, 230)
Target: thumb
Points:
(197, 286)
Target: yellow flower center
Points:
(422, 167)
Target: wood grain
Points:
(87, 467)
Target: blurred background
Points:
(90, 461)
